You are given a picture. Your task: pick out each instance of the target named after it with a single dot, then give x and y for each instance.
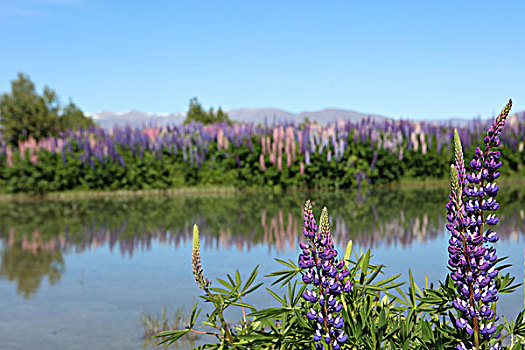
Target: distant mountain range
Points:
(255, 115)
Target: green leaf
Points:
(348, 252)
(412, 289)
(364, 267)
(238, 277)
(172, 336)
(252, 289)
(250, 280)
(275, 295)
(226, 284)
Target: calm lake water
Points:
(78, 274)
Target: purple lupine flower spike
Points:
(470, 259)
(326, 274)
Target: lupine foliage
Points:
(337, 155)
(340, 304)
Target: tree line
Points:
(25, 113)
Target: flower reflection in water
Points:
(35, 236)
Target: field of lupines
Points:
(337, 155)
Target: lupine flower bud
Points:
(201, 280)
(458, 154)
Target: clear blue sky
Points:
(418, 59)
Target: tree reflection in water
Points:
(28, 262)
(34, 235)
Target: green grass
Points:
(405, 182)
(155, 324)
(76, 194)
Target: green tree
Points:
(25, 113)
(72, 117)
(197, 114)
(222, 116)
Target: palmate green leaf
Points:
(503, 267)
(412, 290)
(219, 308)
(300, 318)
(285, 276)
(517, 327)
(220, 290)
(237, 278)
(291, 293)
(207, 298)
(374, 274)
(234, 291)
(241, 305)
(263, 314)
(277, 297)
(504, 284)
(388, 280)
(371, 289)
(246, 292)
(348, 252)
(172, 336)
(250, 280)
(231, 279)
(427, 331)
(268, 322)
(498, 260)
(295, 299)
(287, 325)
(356, 265)
(288, 263)
(194, 315)
(364, 267)
(224, 283)
(214, 298)
(403, 299)
(235, 285)
(345, 306)
(519, 319)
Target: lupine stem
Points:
(226, 329)
(243, 313)
(208, 333)
(221, 318)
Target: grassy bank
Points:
(222, 190)
(66, 195)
